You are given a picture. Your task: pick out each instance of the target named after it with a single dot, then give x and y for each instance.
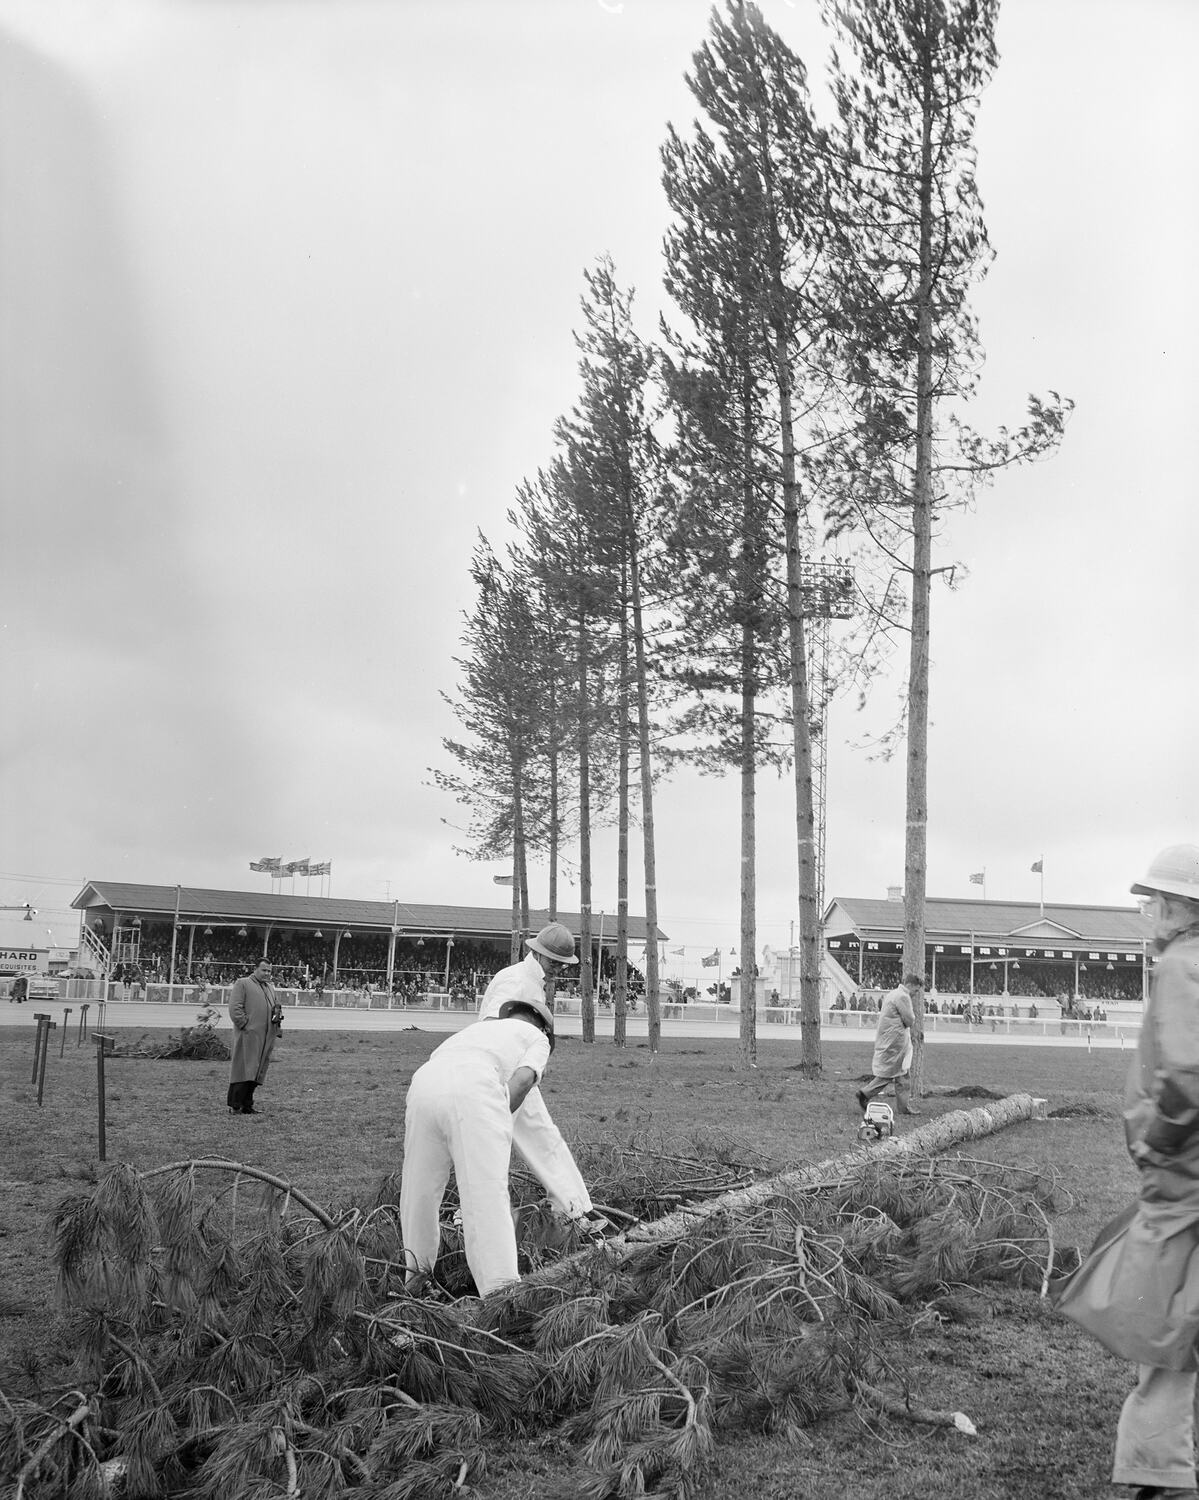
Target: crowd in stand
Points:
(1027, 980)
(302, 961)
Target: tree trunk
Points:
(749, 935)
(653, 1008)
(938, 1135)
(916, 845)
(801, 713)
(586, 986)
(621, 988)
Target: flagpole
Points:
(1041, 862)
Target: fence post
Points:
(103, 1045)
(47, 1028)
(82, 1032)
(41, 1017)
(63, 1041)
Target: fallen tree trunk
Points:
(929, 1140)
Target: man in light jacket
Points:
(253, 1011)
(893, 1046)
(1138, 1290)
(534, 1133)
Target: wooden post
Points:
(103, 1045)
(82, 1033)
(47, 1028)
(41, 1017)
(63, 1040)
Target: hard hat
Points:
(536, 1008)
(1174, 872)
(555, 942)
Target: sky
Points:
(287, 299)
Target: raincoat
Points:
(534, 1133)
(1138, 1290)
(893, 1038)
(250, 1005)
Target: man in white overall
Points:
(534, 1133)
(459, 1116)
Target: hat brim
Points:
(558, 958)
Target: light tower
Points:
(827, 591)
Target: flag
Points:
(296, 867)
(1039, 867)
(712, 959)
(266, 864)
(979, 879)
(679, 951)
(321, 869)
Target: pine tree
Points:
(744, 264)
(614, 456)
(911, 244)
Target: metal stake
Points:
(82, 1033)
(103, 1045)
(41, 1076)
(41, 1017)
(63, 1042)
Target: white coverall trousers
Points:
(457, 1117)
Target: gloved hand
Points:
(595, 1225)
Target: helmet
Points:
(1174, 872)
(538, 1011)
(555, 942)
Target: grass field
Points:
(1043, 1398)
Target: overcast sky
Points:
(287, 293)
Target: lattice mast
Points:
(827, 589)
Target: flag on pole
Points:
(978, 879)
(323, 868)
(679, 951)
(1039, 867)
(267, 864)
(712, 959)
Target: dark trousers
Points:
(241, 1097)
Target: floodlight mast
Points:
(827, 592)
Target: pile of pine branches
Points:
(235, 1338)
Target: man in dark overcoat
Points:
(256, 1017)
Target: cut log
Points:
(931, 1139)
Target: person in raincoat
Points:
(893, 1046)
(458, 1114)
(1137, 1291)
(534, 1133)
(257, 1017)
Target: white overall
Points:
(534, 1133)
(457, 1118)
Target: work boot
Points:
(862, 1101)
(911, 1110)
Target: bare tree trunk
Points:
(621, 994)
(916, 845)
(653, 1008)
(586, 980)
(749, 892)
(801, 713)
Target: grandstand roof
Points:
(1053, 925)
(196, 905)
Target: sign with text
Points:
(18, 961)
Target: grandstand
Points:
(1010, 950)
(165, 932)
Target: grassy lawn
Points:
(1043, 1398)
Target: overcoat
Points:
(893, 1039)
(1137, 1292)
(250, 1006)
